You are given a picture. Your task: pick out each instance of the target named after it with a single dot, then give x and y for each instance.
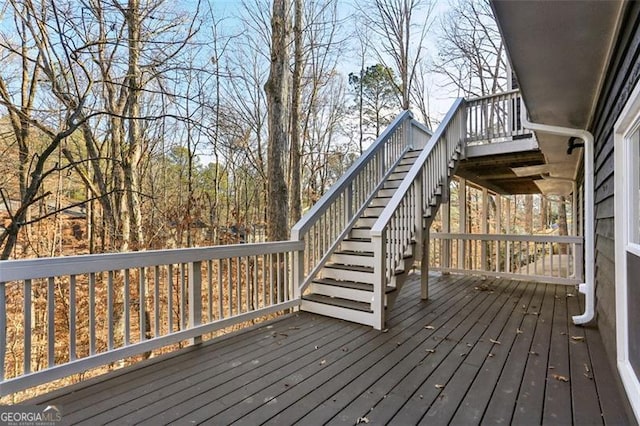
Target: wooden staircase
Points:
(344, 287)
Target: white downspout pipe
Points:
(588, 287)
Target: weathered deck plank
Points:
(312, 370)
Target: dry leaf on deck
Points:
(440, 386)
(431, 351)
(429, 327)
(560, 378)
(362, 420)
(497, 342)
(577, 338)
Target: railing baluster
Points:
(230, 286)
(169, 299)
(183, 298)
(72, 317)
(110, 310)
(92, 313)
(127, 307)
(27, 326)
(156, 301)
(142, 304)
(51, 322)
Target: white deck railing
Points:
(544, 258)
(331, 218)
(494, 118)
(50, 327)
(402, 220)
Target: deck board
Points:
(309, 369)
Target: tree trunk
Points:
(295, 154)
(277, 92)
(528, 214)
(134, 150)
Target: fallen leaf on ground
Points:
(497, 342)
(430, 351)
(440, 386)
(518, 331)
(577, 338)
(323, 362)
(385, 330)
(429, 327)
(490, 355)
(586, 368)
(362, 420)
(569, 294)
(560, 378)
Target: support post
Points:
(195, 298)
(508, 231)
(462, 208)
(574, 210)
(424, 266)
(498, 228)
(298, 273)
(446, 228)
(484, 225)
(379, 280)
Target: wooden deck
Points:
(494, 351)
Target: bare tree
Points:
(471, 51)
(277, 90)
(394, 22)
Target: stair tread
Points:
(358, 240)
(337, 301)
(355, 253)
(350, 284)
(356, 268)
(346, 284)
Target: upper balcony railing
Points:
(494, 118)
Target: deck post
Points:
(484, 222)
(462, 208)
(507, 230)
(498, 228)
(379, 280)
(298, 273)
(446, 228)
(424, 266)
(574, 209)
(195, 298)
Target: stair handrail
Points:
(347, 198)
(404, 213)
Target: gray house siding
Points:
(622, 75)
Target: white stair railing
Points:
(402, 220)
(331, 218)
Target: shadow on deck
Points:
(494, 351)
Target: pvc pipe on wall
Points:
(588, 287)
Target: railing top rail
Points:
(305, 222)
(510, 237)
(14, 270)
(493, 95)
(387, 213)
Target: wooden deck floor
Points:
(494, 351)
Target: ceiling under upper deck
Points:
(559, 51)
